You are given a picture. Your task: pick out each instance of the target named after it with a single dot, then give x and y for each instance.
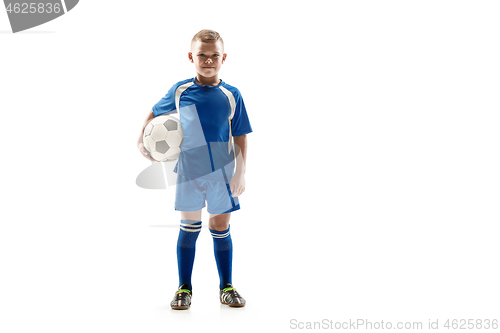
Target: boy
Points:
(212, 113)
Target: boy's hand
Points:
(145, 152)
(237, 185)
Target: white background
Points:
(372, 173)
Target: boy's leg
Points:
(223, 246)
(186, 245)
(189, 200)
(223, 249)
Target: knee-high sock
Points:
(223, 250)
(186, 245)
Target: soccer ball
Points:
(163, 138)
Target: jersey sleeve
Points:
(240, 124)
(167, 104)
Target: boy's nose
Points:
(208, 60)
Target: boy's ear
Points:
(224, 57)
(190, 56)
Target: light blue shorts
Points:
(191, 194)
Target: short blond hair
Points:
(207, 36)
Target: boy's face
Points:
(207, 57)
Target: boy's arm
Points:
(240, 143)
(140, 143)
(238, 182)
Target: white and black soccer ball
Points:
(163, 138)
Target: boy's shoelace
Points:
(183, 291)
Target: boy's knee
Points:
(219, 222)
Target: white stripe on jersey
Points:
(232, 102)
(178, 92)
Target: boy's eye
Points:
(204, 55)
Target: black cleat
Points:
(228, 295)
(182, 298)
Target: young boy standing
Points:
(212, 115)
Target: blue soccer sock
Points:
(223, 250)
(186, 244)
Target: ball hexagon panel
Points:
(159, 133)
(174, 138)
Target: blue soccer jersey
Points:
(210, 116)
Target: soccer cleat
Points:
(182, 298)
(228, 295)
